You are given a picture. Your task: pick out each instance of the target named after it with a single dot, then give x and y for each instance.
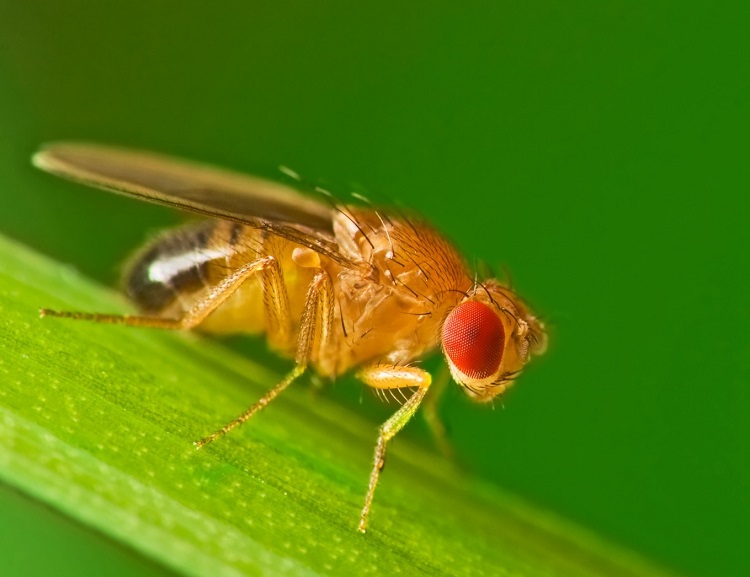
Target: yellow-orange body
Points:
(389, 309)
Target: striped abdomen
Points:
(180, 267)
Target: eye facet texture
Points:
(474, 339)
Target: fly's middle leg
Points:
(313, 333)
(385, 377)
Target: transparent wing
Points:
(189, 186)
(198, 188)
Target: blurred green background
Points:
(595, 149)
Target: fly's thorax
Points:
(404, 253)
(392, 306)
(488, 338)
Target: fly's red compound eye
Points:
(473, 339)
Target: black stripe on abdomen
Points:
(174, 263)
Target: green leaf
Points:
(98, 422)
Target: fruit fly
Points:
(335, 287)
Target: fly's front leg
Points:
(314, 331)
(430, 412)
(216, 296)
(384, 377)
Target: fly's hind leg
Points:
(267, 267)
(276, 303)
(384, 377)
(313, 333)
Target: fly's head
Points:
(488, 338)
